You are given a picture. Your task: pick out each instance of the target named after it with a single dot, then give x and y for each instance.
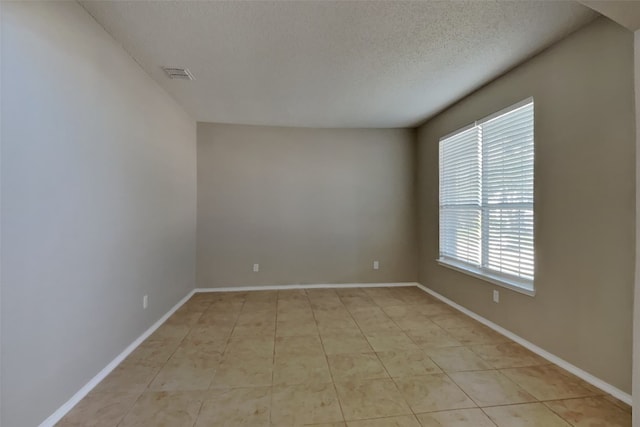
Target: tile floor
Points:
(344, 357)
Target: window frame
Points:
(512, 282)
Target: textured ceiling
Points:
(332, 64)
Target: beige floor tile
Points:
(378, 325)
(401, 421)
(477, 335)
(100, 410)
(344, 344)
(321, 293)
(265, 327)
(197, 302)
(408, 363)
(225, 321)
(250, 346)
(190, 368)
(258, 314)
(261, 296)
(507, 355)
(299, 369)
(454, 321)
(304, 404)
(357, 301)
(234, 372)
(547, 382)
(206, 355)
(236, 407)
(351, 292)
(299, 345)
(338, 314)
(164, 409)
(294, 304)
(181, 377)
(382, 341)
(326, 303)
(400, 311)
(434, 392)
(490, 388)
(209, 335)
(170, 332)
(456, 359)
(362, 399)
(591, 411)
(259, 306)
(456, 418)
(527, 415)
(292, 294)
(129, 377)
(385, 297)
(620, 404)
(436, 308)
(338, 328)
(292, 328)
(295, 315)
(414, 322)
(367, 312)
(228, 306)
(153, 352)
(361, 366)
(433, 337)
(322, 425)
(188, 318)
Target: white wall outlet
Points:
(376, 265)
(496, 296)
(256, 268)
(145, 301)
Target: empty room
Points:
(319, 213)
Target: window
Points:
(486, 198)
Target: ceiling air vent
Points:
(178, 73)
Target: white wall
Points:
(98, 207)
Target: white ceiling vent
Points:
(178, 73)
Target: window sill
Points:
(487, 277)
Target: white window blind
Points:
(486, 196)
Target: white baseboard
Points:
(69, 404)
(596, 382)
(309, 286)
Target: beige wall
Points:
(308, 205)
(584, 202)
(98, 204)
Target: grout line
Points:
(326, 357)
(488, 417)
(273, 357)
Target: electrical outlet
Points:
(376, 265)
(256, 268)
(145, 301)
(496, 296)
